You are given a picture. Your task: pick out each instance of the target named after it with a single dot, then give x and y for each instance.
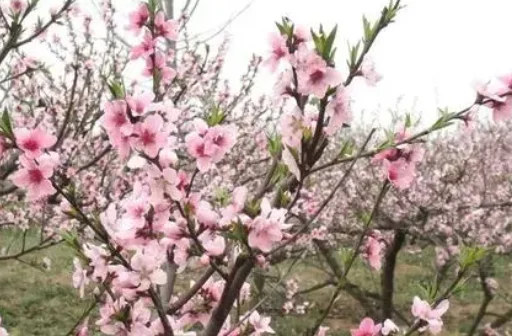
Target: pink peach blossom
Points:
(148, 136)
(166, 28)
(279, 51)
(369, 73)
(145, 49)
(423, 311)
(315, 76)
(116, 120)
(33, 142)
(138, 18)
(366, 328)
(35, 176)
(138, 104)
(260, 324)
(338, 111)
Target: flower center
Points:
(35, 176)
(31, 145)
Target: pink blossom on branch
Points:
(166, 28)
(279, 51)
(260, 324)
(145, 49)
(267, 228)
(366, 328)
(34, 176)
(148, 136)
(115, 119)
(389, 327)
(18, 6)
(140, 103)
(157, 63)
(369, 73)
(314, 75)
(495, 91)
(373, 251)
(338, 111)
(432, 316)
(138, 18)
(33, 142)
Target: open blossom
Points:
(494, 91)
(432, 316)
(400, 163)
(212, 243)
(292, 127)
(366, 328)
(33, 142)
(267, 228)
(140, 318)
(146, 264)
(222, 139)
(230, 212)
(283, 85)
(206, 216)
(145, 48)
(400, 173)
(18, 6)
(115, 119)
(338, 111)
(108, 312)
(209, 145)
(369, 73)
(158, 63)
(148, 136)
(166, 28)
(138, 104)
(97, 260)
(201, 150)
(35, 176)
(389, 327)
(279, 51)
(373, 251)
(260, 324)
(314, 75)
(138, 18)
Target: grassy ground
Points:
(36, 302)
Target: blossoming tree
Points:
(154, 183)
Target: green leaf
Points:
(6, 125)
(408, 121)
(469, 256)
(215, 117)
(368, 31)
(117, 89)
(221, 196)
(153, 6)
(347, 149)
(274, 144)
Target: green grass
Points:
(37, 302)
(34, 301)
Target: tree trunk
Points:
(388, 273)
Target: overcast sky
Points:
(430, 57)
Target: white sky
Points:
(430, 56)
